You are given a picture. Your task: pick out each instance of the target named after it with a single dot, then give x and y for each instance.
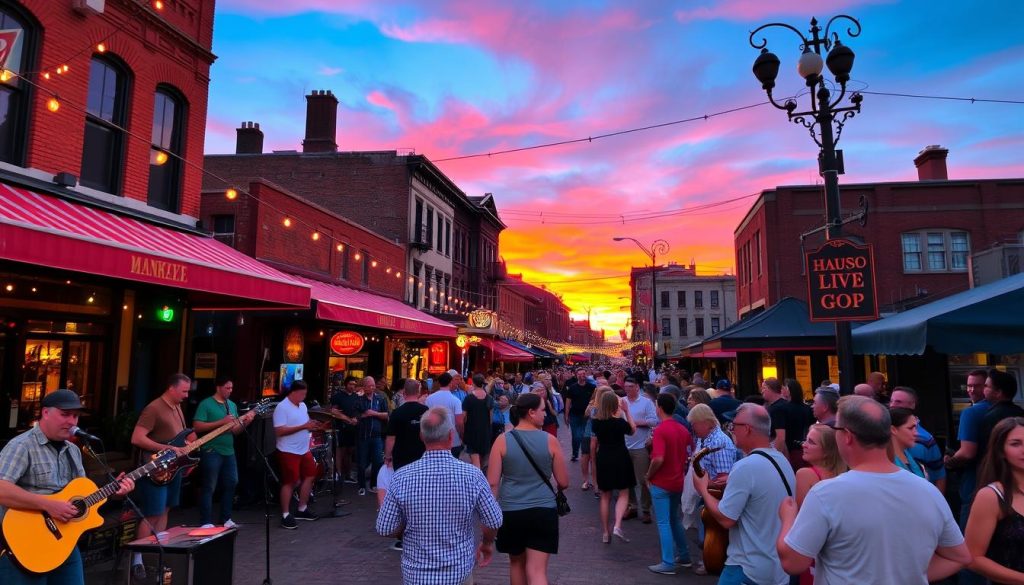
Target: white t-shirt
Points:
(752, 498)
(873, 528)
(287, 414)
(448, 400)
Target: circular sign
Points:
(346, 343)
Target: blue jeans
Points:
(666, 506)
(369, 447)
(214, 467)
(576, 425)
(69, 573)
(733, 575)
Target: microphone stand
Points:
(336, 511)
(135, 508)
(268, 473)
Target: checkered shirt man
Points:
(435, 501)
(721, 461)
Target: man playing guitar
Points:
(218, 456)
(159, 423)
(42, 461)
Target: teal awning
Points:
(536, 351)
(989, 318)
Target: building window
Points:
(664, 299)
(935, 251)
(757, 250)
(440, 233)
(14, 93)
(716, 325)
(447, 238)
(168, 133)
(430, 228)
(365, 278)
(681, 299)
(698, 299)
(666, 327)
(714, 299)
(344, 262)
(682, 327)
(106, 112)
(698, 326)
(224, 229)
(417, 234)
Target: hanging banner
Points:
(841, 282)
(346, 343)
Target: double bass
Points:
(716, 538)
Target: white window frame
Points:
(934, 251)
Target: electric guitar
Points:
(184, 462)
(40, 543)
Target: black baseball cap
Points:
(62, 399)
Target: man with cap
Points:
(724, 401)
(45, 446)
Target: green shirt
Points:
(210, 410)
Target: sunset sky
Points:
(447, 78)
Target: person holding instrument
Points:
(45, 446)
(291, 426)
(217, 458)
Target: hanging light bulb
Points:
(157, 157)
(101, 48)
(340, 247)
(46, 75)
(158, 4)
(5, 75)
(231, 194)
(287, 222)
(387, 270)
(316, 236)
(398, 275)
(358, 256)
(373, 263)
(53, 104)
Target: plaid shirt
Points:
(718, 462)
(435, 501)
(30, 462)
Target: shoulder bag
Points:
(561, 502)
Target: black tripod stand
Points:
(269, 478)
(336, 504)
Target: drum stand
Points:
(336, 503)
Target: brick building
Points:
(450, 239)
(544, 312)
(105, 271)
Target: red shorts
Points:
(295, 467)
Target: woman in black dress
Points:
(614, 467)
(477, 407)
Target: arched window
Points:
(106, 113)
(14, 93)
(168, 140)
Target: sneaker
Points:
(230, 524)
(683, 563)
(362, 491)
(700, 570)
(306, 514)
(288, 522)
(138, 574)
(396, 546)
(663, 569)
(207, 526)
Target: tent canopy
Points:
(785, 325)
(989, 318)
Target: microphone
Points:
(77, 432)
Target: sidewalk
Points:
(348, 550)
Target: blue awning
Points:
(785, 325)
(988, 319)
(541, 354)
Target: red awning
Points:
(579, 357)
(714, 355)
(347, 305)
(504, 352)
(49, 231)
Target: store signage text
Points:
(159, 269)
(346, 343)
(438, 357)
(464, 340)
(841, 282)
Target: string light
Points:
(358, 256)
(388, 270)
(158, 4)
(373, 263)
(53, 104)
(316, 236)
(157, 157)
(5, 75)
(46, 75)
(231, 194)
(398, 275)
(340, 247)
(101, 48)
(287, 222)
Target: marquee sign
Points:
(346, 343)
(841, 282)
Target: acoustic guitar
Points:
(185, 461)
(40, 543)
(716, 538)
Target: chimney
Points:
(250, 139)
(321, 122)
(931, 163)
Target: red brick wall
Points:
(370, 189)
(154, 53)
(990, 211)
(260, 232)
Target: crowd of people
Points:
(772, 489)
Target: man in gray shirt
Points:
(906, 535)
(645, 416)
(749, 508)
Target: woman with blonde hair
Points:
(821, 452)
(614, 468)
(586, 458)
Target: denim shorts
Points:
(154, 499)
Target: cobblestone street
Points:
(348, 550)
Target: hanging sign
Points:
(841, 282)
(346, 343)
(8, 38)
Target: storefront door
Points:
(54, 362)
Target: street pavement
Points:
(348, 550)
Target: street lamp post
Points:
(819, 121)
(657, 247)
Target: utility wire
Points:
(943, 97)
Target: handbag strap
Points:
(526, 452)
(774, 463)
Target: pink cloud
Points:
(744, 10)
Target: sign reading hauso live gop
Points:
(841, 282)
(346, 343)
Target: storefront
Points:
(100, 302)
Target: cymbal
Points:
(322, 415)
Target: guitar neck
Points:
(112, 487)
(209, 437)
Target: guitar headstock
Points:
(263, 406)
